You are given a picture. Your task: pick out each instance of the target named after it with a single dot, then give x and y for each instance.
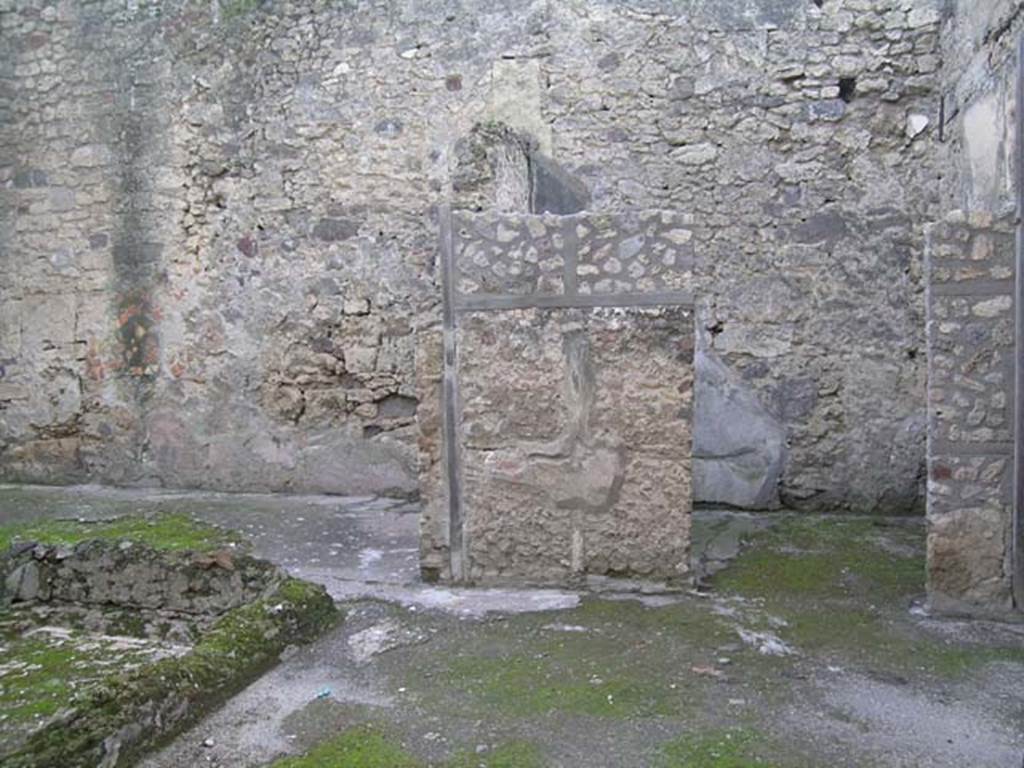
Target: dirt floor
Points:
(806, 647)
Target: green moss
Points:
(843, 586)
(814, 557)
(239, 647)
(362, 747)
(39, 681)
(614, 659)
(369, 746)
(40, 673)
(955, 661)
(536, 686)
(520, 667)
(734, 748)
(132, 625)
(165, 532)
(515, 754)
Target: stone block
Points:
(555, 428)
(575, 436)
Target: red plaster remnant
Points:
(127, 313)
(941, 472)
(95, 368)
(136, 324)
(220, 559)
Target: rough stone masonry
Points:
(975, 544)
(219, 221)
(556, 400)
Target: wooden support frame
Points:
(1017, 544)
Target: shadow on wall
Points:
(739, 450)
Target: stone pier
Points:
(557, 409)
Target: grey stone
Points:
(389, 127)
(554, 190)
(23, 583)
(28, 179)
(609, 62)
(826, 109)
(331, 230)
(820, 227)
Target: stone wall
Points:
(218, 224)
(126, 574)
(972, 311)
(556, 416)
(978, 93)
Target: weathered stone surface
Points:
(181, 321)
(738, 448)
(970, 404)
(173, 304)
(575, 437)
(969, 559)
(129, 574)
(555, 420)
(22, 583)
(974, 563)
(435, 551)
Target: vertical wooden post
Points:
(1017, 554)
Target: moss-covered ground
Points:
(370, 746)
(167, 531)
(718, 748)
(64, 690)
(844, 586)
(673, 683)
(664, 682)
(42, 671)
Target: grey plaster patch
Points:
(739, 449)
(380, 638)
(470, 603)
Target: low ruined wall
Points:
(114, 721)
(231, 617)
(218, 225)
(131, 575)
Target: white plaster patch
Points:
(368, 557)
(916, 125)
(565, 628)
(766, 643)
(379, 638)
(985, 139)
